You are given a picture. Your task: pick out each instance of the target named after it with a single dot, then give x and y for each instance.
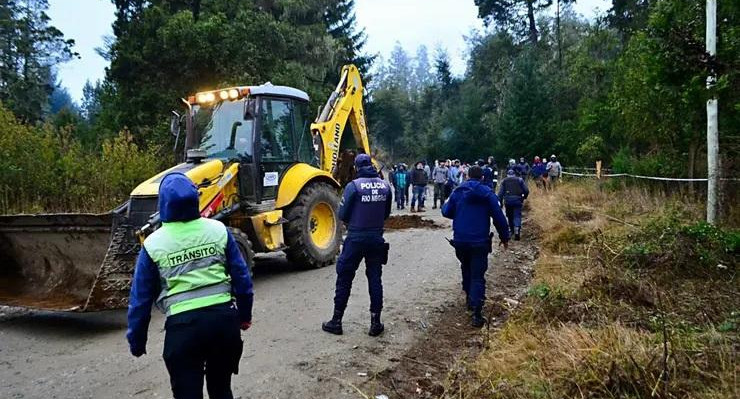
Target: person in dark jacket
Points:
(419, 182)
(538, 172)
(193, 269)
(514, 191)
(523, 168)
(366, 204)
(471, 207)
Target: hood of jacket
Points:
(474, 191)
(178, 199)
(367, 171)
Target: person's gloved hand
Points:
(137, 350)
(245, 325)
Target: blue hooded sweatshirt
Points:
(178, 202)
(471, 208)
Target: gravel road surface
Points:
(286, 355)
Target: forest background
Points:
(627, 87)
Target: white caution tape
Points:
(644, 177)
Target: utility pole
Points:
(712, 124)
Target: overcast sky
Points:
(411, 22)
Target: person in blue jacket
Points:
(471, 207)
(514, 191)
(366, 204)
(192, 269)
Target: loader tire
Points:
(313, 230)
(245, 247)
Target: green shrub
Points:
(46, 169)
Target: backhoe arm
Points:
(345, 103)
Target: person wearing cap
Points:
(471, 207)
(554, 171)
(366, 204)
(192, 269)
(514, 191)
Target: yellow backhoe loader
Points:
(258, 167)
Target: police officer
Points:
(192, 269)
(514, 191)
(365, 206)
(471, 207)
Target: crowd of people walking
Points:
(447, 174)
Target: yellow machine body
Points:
(84, 262)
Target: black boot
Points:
(518, 234)
(478, 319)
(376, 327)
(333, 326)
(468, 304)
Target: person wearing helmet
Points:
(366, 204)
(512, 166)
(554, 171)
(538, 172)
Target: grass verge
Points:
(632, 298)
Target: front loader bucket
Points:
(67, 262)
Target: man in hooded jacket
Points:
(471, 207)
(366, 204)
(191, 267)
(514, 191)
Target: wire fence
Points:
(690, 188)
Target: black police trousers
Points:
(201, 343)
(375, 253)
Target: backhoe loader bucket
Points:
(66, 262)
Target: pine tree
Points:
(341, 24)
(29, 48)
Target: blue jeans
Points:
(418, 195)
(353, 251)
(473, 264)
(400, 197)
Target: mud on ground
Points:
(400, 222)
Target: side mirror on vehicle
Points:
(250, 108)
(175, 124)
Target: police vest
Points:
(191, 257)
(368, 211)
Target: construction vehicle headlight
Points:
(224, 95)
(210, 97)
(202, 98)
(233, 94)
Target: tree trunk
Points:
(532, 24)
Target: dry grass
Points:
(627, 302)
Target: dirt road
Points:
(53, 355)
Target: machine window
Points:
(277, 130)
(223, 131)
